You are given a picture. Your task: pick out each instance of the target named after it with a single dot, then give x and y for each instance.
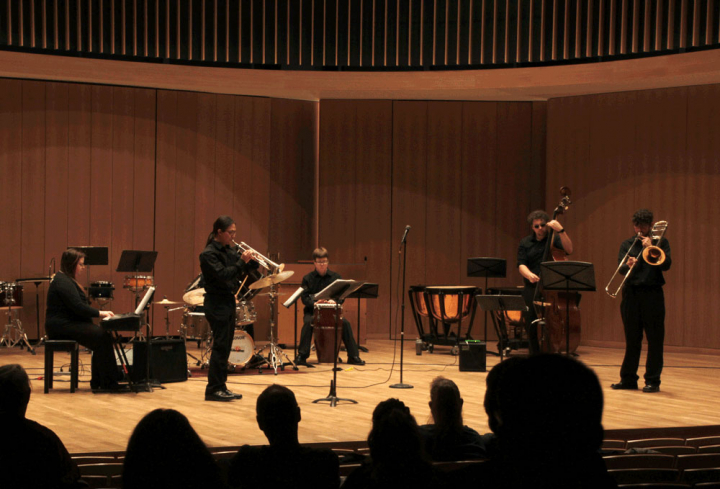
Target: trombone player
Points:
(643, 302)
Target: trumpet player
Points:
(221, 266)
(643, 304)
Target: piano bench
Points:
(51, 346)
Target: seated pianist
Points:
(69, 317)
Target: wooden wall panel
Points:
(223, 149)
(693, 234)
(651, 149)
(204, 180)
(337, 179)
(33, 149)
(444, 193)
(409, 204)
(292, 176)
(11, 168)
(164, 225)
(373, 209)
(79, 164)
(144, 170)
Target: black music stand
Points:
(569, 276)
(488, 268)
(500, 303)
(293, 302)
(135, 261)
(337, 291)
(366, 291)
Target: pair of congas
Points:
(326, 319)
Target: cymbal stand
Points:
(275, 354)
(14, 331)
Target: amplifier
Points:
(168, 361)
(472, 356)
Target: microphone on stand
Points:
(407, 229)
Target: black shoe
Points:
(221, 396)
(303, 361)
(624, 385)
(234, 395)
(651, 388)
(355, 361)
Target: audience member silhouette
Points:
(448, 439)
(546, 413)
(31, 455)
(164, 451)
(284, 463)
(397, 457)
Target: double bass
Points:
(558, 311)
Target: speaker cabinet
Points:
(472, 356)
(168, 362)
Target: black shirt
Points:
(221, 268)
(530, 252)
(313, 283)
(643, 274)
(67, 302)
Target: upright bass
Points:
(553, 308)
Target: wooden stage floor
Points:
(103, 422)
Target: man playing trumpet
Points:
(643, 305)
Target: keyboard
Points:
(128, 321)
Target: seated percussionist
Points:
(313, 283)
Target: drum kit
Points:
(194, 325)
(11, 301)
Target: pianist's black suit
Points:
(69, 317)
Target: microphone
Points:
(294, 297)
(407, 228)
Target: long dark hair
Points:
(68, 263)
(221, 223)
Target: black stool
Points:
(51, 346)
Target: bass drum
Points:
(242, 349)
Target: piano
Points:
(129, 321)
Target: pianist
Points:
(69, 317)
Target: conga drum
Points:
(326, 318)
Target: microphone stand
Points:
(402, 385)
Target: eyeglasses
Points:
(322, 262)
(538, 226)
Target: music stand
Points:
(567, 275)
(366, 291)
(136, 261)
(501, 303)
(488, 268)
(337, 291)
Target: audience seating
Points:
(708, 449)
(703, 441)
(105, 475)
(51, 346)
(655, 442)
(640, 461)
(675, 450)
(694, 476)
(707, 485)
(635, 476)
(698, 461)
(655, 485)
(613, 445)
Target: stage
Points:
(88, 422)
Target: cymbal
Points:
(271, 279)
(195, 297)
(275, 294)
(166, 302)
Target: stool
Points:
(51, 346)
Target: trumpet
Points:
(653, 255)
(264, 261)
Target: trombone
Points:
(264, 261)
(653, 255)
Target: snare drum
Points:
(324, 324)
(195, 324)
(101, 291)
(245, 313)
(136, 283)
(242, 349)
(11, 295)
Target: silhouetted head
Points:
(446, 405)
(278, 413)
(165, 451)
(14, 391)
